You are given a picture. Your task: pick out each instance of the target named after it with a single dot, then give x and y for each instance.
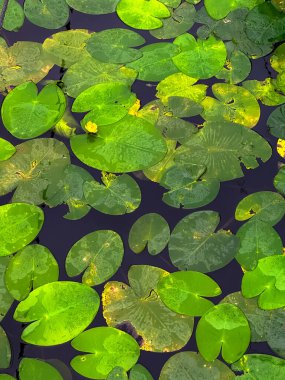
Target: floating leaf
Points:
(49, 14)
(6, 299)
(266, 206)
(257, 240)
(260, 367)
(223, 328)
(27, 114)
(151, 231)
(67, 47)
(98, 254)
(35, 369)
(14, 15)
(186, 187)
(118, 373)
(115, 45)
(31, 168)
(200, 59)
(139, 372)
(222, 147)
(67, 187)
(138, 305)
(144, 14)
(58, 312)
(277, 59)
(129, 145)
(30, 268)
(5, 350)
(281, 148)
(6, 149)
(20, 223)
(191, 366)
(265, 91)
(180, 20)
(156, 62)
(184, 292)
(225, 7)
(117, 195)
(276, 122)
(234, 104)
(107, 348)
(267, 282)
(195, 245)
(88, 72)
(98, 7)
(6, 377)
(279, 181)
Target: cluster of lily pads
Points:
(194, 135)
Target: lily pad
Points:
(115, 45)
(267, 282)
(266, 91)
(223, 328)
(186, 187)
(98, 254)
(20, 223)
(6, 299)
(118, 373)
(129, 145)
(5, 350)
(14, 16)
(30, 268)
(194, 245)
(27, 114)
(159, 328)
(107, 348)
(225, 6)
(139, 372)
(143, 14)
(117, 195)
(260, 367)
(151, 231)
(6, 149)
(266, 206)
(58, 312)
(35, 369)
(184, 292)
(191, 366)
(97, 7)
(200, 59)
(276, 122)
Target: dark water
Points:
(59, 234)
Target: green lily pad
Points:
(186, 187)
(234, 104)
(118, 373)
(223, 328)
(184, 292)
(279, 181)
(265, 91)
(30, 268)
(266, 206)
(191, 366)
(67, 47)
(6, 377)
(14, 15)
(107, 348)
(98, 7)
(225, 7)
(20, 223)
(35, 369)
(98, 254)
(139, 372)
(222, 147)
(31, 169)
(194, 245)
(260, 367)
(115, 45)
(200, 59)
(27, 114)
(129, 145)
(49, 14)
(140, 308)
(6, 150)
(276, 122)
(6, 299)
(257, 240)
(143, 14)
(277, 59)
(88, 71)
(117, 195)
(58, 312)
(267, 282)
(67, 187)
(151, 231)
(5, 350)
